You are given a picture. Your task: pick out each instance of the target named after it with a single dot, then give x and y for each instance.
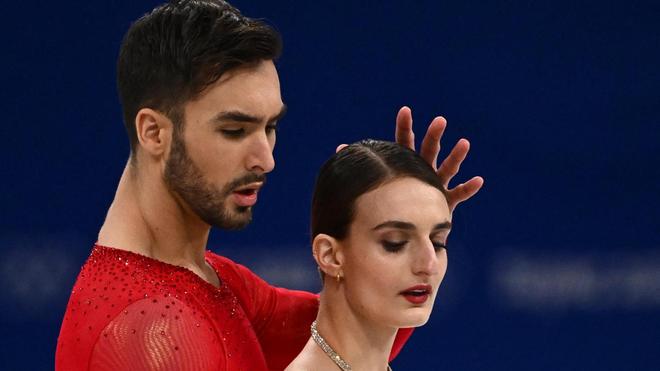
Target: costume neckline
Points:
(150, 260)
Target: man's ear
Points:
(154, 131)
(328, 254)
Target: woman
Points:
(380, 223)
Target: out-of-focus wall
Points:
(555, 265)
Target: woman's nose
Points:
(425, 261)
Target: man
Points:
(201, 102)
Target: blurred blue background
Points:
(555, 265)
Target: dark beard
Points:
(186, 180)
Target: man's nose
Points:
(260, 155)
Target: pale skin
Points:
(147, 218)
(397, 240)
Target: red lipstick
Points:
(417, 294)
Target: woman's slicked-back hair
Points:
(356, 170)
(172, 54)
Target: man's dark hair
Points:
(172, 54)
(356, 170)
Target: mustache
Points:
(245, 180)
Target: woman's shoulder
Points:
(311, 358)
(300, 364)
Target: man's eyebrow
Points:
(280, 115)
(408, 226)
(239, 116)
(445, 225)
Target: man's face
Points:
(217, 164)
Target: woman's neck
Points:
(360, 342)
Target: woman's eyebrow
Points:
(395, 224)
(409, 226)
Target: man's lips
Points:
(247, 195)
(417, 294)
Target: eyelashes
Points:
(393, 246)
(274, 128)
(396, 246)
(241, 132)
(236, 133)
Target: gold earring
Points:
(338, 277)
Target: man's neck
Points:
(147, 219)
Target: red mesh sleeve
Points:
(280, 317)
(401, 338)
(142, 338)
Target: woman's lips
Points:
(417, 294)
(416, 299)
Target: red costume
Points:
(131, 312)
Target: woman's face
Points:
(394, 255)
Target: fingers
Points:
(452, 163)
(464, 192)
(431, 142)
(430, 150)
(340, 147)
(404, 134)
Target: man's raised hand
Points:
(431, 148)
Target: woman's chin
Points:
(413, 318)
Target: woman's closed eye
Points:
(393, 246)
(439, 245)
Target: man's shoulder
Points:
(112, 280)
(223, 264)
(236, 276)
(213, 257)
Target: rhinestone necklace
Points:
(336, 358)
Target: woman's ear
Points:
(154, 131)
(328, 254)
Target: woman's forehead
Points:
(405, 199)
